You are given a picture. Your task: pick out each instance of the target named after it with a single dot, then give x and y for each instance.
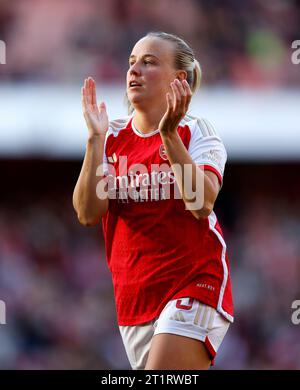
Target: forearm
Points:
(195, 187)
(87, 204)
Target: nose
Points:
(135, 69)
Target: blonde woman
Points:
(166, 252)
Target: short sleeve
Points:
(114, 129)
(105, 160)
(206, 147)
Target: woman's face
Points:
(151, 70)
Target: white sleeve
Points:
(206, 147)
(105, 161)
(114, 128)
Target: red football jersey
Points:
(156, 249)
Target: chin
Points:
(136, 98)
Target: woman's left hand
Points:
(177, 106)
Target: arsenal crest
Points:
(162, 152)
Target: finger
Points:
(83, 97)
(90, 82)
(172, 99)
(94, 98)
(186, 85)
(180, 87)
(176, 96)
(102, 107)
(84, 105)
(179, 99)
(182, 92)
(91, 89)
(169, 102)
(85, 86)
(87, 91)
(188, 93)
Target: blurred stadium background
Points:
(53, 275)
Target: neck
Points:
(148, 121)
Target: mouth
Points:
(134, 84)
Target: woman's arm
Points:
(86, 203)
(199, 189)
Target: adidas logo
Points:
(178, 316)
(113, 158)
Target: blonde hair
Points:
(184, 59)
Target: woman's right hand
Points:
(96, 117)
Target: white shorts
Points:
(185, 317)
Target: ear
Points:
(181, 75)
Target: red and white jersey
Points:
(156, 249)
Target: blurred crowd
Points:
(53, 274)
(58, 291)
(265, 264)
(238, 43)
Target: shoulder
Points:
(206, 147)
(199, 127)
(116, 125)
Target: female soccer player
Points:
(162, 171)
